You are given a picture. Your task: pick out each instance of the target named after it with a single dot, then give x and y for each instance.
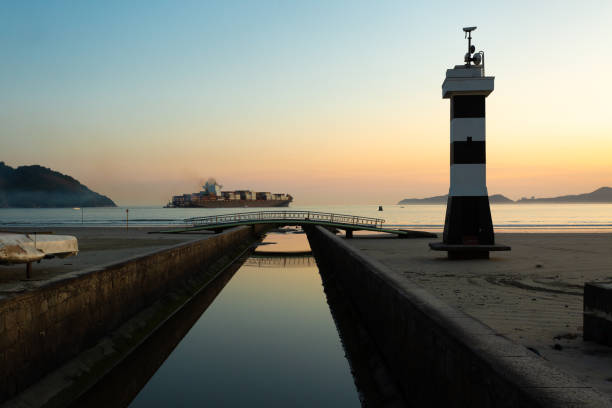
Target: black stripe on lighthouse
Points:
(468, 221)
(468, 152)
(468, 106)
(468, 217)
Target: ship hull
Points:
(236, 204)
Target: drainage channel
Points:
(261, 334)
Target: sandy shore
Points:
(97, 246)
(532, 295)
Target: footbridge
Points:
(276, 260)
(347, 223)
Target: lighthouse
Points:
(468, 229)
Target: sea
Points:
(506, 217)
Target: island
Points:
(39, 187)
(601, 195)
(495, 199)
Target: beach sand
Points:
(532, 294)
(98, 246)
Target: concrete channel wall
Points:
(439, 355)
(42, 328)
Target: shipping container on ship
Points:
(213, 197)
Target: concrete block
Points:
(598, 296)
(597, 312)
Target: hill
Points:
(495, 199)
(37, 186)
(601, 195)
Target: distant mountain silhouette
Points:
(601, 195)
(37, 186)
(429, 200)
(495, 198)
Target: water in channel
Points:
(268, 339)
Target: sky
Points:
(334, 102)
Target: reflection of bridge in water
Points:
(348, 223)
(278, 260)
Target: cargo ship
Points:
(212, 197)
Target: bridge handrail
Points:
(284, 215)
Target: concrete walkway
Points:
(98, 246)
(532, 295)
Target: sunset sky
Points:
(333, 102)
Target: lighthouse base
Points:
(468, 221)
(458, 251)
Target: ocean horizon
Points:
(506, 217)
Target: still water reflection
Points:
(268, 339)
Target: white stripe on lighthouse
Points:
(461, 128)
(468, 180)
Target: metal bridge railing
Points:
(284, 261)
(315, 216)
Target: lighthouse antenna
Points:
(468, 34)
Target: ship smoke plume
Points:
(210, 180)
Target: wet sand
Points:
(98, 246)
(532, 294)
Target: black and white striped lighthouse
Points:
(468, 229)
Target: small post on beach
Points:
(127, 219)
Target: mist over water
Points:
(506, 217)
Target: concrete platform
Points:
(469, 251)
(532, 295)
(98, 246)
